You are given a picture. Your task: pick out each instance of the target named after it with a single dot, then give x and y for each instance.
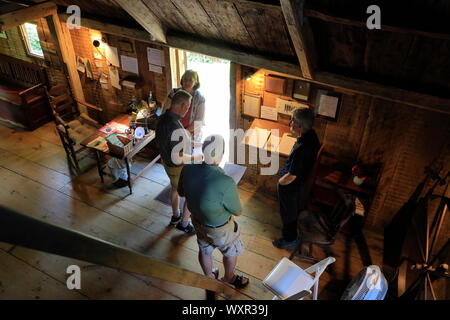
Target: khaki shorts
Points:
(226, 238)
(173, 173)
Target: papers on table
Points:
(113, 127)
(98, 143)
(286, 144)
(273, 143)
(256, 137)
(236, 172)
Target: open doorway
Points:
(214, 75)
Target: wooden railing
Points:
(30, 232)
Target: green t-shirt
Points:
(211, 195)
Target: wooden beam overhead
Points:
(145, 17)
(362, 24)
(16, 18)
(291, 11)
(184, 42)
(181, 41)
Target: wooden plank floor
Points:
(35, 179)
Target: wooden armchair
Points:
(320, 227)
(72, 127)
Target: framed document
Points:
(251, 105)
(301, 90)
(328, 105)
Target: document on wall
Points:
(81, 64)
(256, 137)
(154, 68)
(112, 56)
(155, 57)
(269, 113)
(286, 144)
(89, 72)
(328, 106)
(287, 107)
(129, 64)
(115, 79)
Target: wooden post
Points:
(62, 36)
(16, 18)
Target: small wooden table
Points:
(138, 146)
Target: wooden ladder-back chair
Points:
(321, 227)
(72, 127)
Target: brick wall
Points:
(404, 139)
(113, 100)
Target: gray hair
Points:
(213, 148)
(304, 117)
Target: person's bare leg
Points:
(175, 200)
(186, 213)
(206, 263)
(230, 264)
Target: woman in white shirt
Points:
(194, 118)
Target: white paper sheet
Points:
(252, 105)
(256, 137)
(129, 64)
(273, 143)
(269, 113)
(99, 64)
(98, 56)
(286, 144)
(288, 107)
(154, 68)
(236, 172)
(89, 72)
(112, 56)
(114, 77)
(328, 106)
(155, 56)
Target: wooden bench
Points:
(23, 100)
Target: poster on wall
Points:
(327, 105)
(112, 56)
(155, 57)
(287, 107)
(129, 64)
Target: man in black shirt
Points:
(174, 144)
(295, 175)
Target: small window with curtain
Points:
(31, 38)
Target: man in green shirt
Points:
(213, 201)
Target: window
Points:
(31, 38)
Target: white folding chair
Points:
(290, 282)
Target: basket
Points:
(121, 151)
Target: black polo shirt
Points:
(302, 157)
(167, 124)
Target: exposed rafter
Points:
(328, 18)
(145, 17)
(15, 18)
(397, 95)
(293, 11)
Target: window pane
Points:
(34, 45)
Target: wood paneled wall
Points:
(403, 138)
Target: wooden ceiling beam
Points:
(145, 17)
(339, 82)
(302, 41)
(16, 18)
(362, 24)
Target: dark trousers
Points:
(291, 203)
